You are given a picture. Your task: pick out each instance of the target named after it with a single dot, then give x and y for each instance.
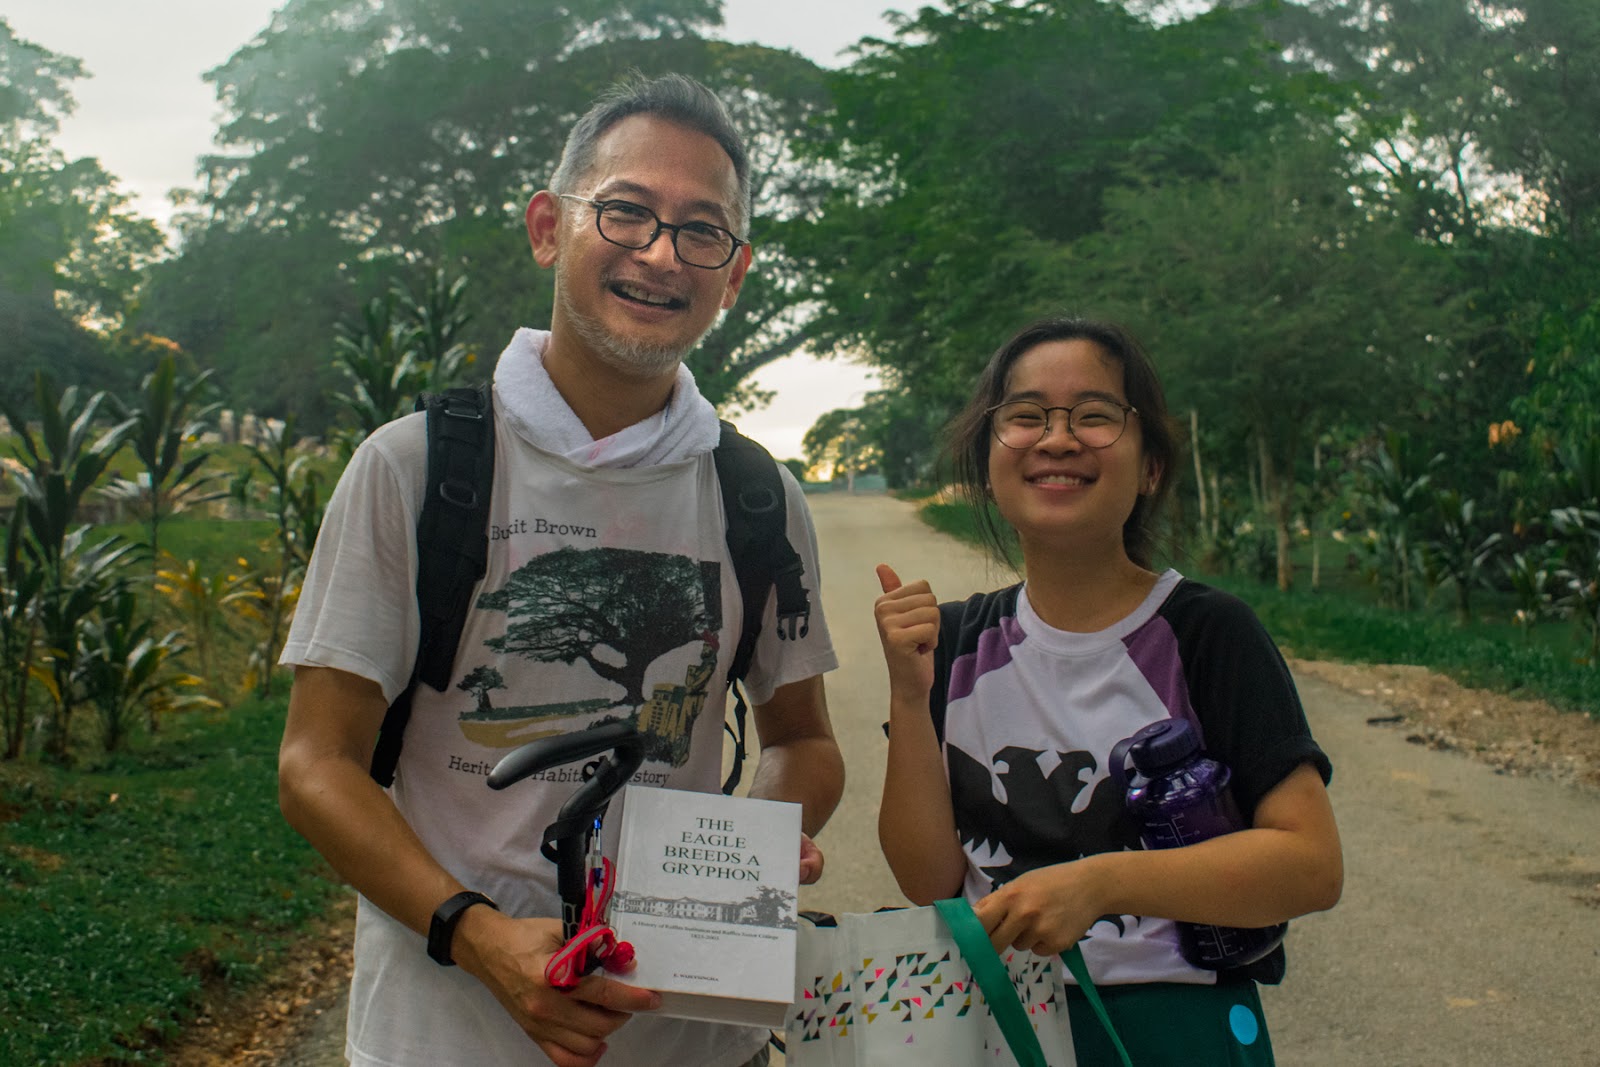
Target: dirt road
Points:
(1469, 932)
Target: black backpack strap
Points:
(452, 547)
(757, 518)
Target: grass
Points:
(1481, 655)
(1344, 624)
(130, 889)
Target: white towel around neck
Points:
(533, 406)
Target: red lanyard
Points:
(595, 942)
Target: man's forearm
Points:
(806, 771)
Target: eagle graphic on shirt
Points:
(1013, 817)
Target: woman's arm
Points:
(916, 823)
(1287, 864)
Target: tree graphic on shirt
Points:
(479, 682)
(571, 605)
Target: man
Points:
(603, 469)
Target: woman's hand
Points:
(908, 626)
(1046, 911)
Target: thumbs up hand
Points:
(908, 626)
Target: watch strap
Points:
(442, 930)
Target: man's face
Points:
(641, 311)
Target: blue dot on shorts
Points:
(1242, 1021)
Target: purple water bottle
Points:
(1179, 797)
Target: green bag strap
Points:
(1073, 958)
(993, 979)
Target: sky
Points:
(146, 115)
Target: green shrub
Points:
(1482, 655)
(1546, 664)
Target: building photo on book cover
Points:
(707, 892)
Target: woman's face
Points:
(1059, 492)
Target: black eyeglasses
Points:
(1095, 423)
(630, 225)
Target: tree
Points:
(1280, 300)
(772, 906)
(20, 585)
(1478, 119)
(842, 440)
(568, 605)
(778, 100)
(70, 252)
(982, 139)
(367, 142)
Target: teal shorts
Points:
(1166, 1024)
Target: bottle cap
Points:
(1162, 745)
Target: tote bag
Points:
(923, 986)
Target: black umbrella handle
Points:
(547, 752)
(621, 750)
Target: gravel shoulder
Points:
(1513, 735)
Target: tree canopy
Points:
(71, 254)
(368, 142)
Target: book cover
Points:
(707, 891)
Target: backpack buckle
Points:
(793, 625)
(794, 606)
(458, 408)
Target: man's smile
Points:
(635, 293)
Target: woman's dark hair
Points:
(971, 439)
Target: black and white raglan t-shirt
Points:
(1030, 713)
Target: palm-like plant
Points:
(167, 416)
(1578, 576)
(1392, 491)
(87, 576)
(56, 469)
(62, 464)
(204, 602)
(378, 358)
(294, 498)
(1532, 582)
(438, 316)
(404, 345)
(126, 669)
(1462, 553)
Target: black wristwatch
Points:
(442, 930)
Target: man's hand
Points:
(908, 626)
(509, 955)
(810, 860)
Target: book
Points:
(707, 891)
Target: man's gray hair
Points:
(673, 97)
